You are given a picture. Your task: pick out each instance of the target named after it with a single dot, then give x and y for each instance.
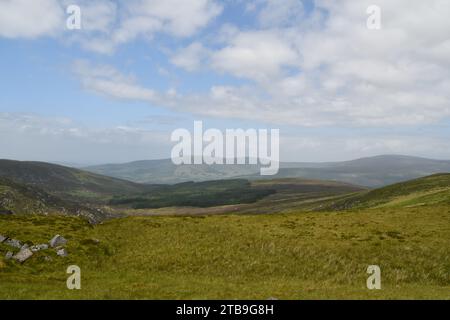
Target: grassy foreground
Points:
(290, 256)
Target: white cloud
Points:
(25, 19)
(339, 72)
(145, 18)
(329, 70)
(108, 81)
(190, 58)
(106, 24)
(257, 55)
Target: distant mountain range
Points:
(370, 172)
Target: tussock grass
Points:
(289, 256)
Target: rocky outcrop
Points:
(26, 252)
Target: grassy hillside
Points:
(428, 191)
(287, 256)
(20, 199)
(64, 182)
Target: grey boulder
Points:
(13, 243)
(58, 241)
(23, 255)
(39, 247)
(62, 252)
(9, 255)
(2, 238)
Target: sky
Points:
(116, 89)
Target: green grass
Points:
(288, 256)
(428, 191)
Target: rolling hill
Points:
(370, 172)
(66, 183)
(20, 199)
(433, 190)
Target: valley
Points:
(288, 238)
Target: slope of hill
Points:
(20, 199)
(370, 172)
(65, 182)
(428, 191)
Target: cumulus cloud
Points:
(106, 24)
(24, 18)
(145, 18)
(327, 68)
(257, 55)
(191, 57)
(332, 70)
(107, 81)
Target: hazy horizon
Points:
(82, 165)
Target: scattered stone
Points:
(39, 247)
(25, 246)
(58, 241)
(2, 238)
(13, 243)
(62, 252)
(47, 258)
(23, 255)
(9, 255)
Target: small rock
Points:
(13, 243)
(58, 241)
(39, 247)
(9, 255)
(62, 252)
(23, 255)
(2, 238)
(25, 246)
(47, 258)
